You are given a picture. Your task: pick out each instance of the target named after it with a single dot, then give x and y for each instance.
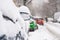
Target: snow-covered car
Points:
(50, 19)
(58, 20)
(40, 21)
(57, 17)
(26, 15)
(11, 21)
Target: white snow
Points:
(26, 17)
(54, 29)
(50, 31)
(50, 19)
(8, 8)
(24, 9)
(58, 19)
(56, 15)
(41, 34)
(8, 27)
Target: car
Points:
(39, 21)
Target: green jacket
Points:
(32, 25)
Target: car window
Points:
(23, 13)
(7, 18)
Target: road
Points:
(45, 32)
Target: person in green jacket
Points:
(32, 26)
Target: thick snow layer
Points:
(8, 27)
(24, 9)
(36, 16)
(54, 29)
(50, 19)
(1, 28)
(26, 17)
(8, 8)
(50, 31)
(25, 12)
(41, 34)
(54, 24)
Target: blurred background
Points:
(40, 7)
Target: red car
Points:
(40, 21)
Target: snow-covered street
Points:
(31, 20)
(44, 33)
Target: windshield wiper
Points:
(7, 18)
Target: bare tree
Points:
(40, 7)
(18, 3)
(50, 8)
(43, 9)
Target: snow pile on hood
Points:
(50, 19)
(9, 28)
(36, 17)
(8, 8)
(24, 9)
(25, 12)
